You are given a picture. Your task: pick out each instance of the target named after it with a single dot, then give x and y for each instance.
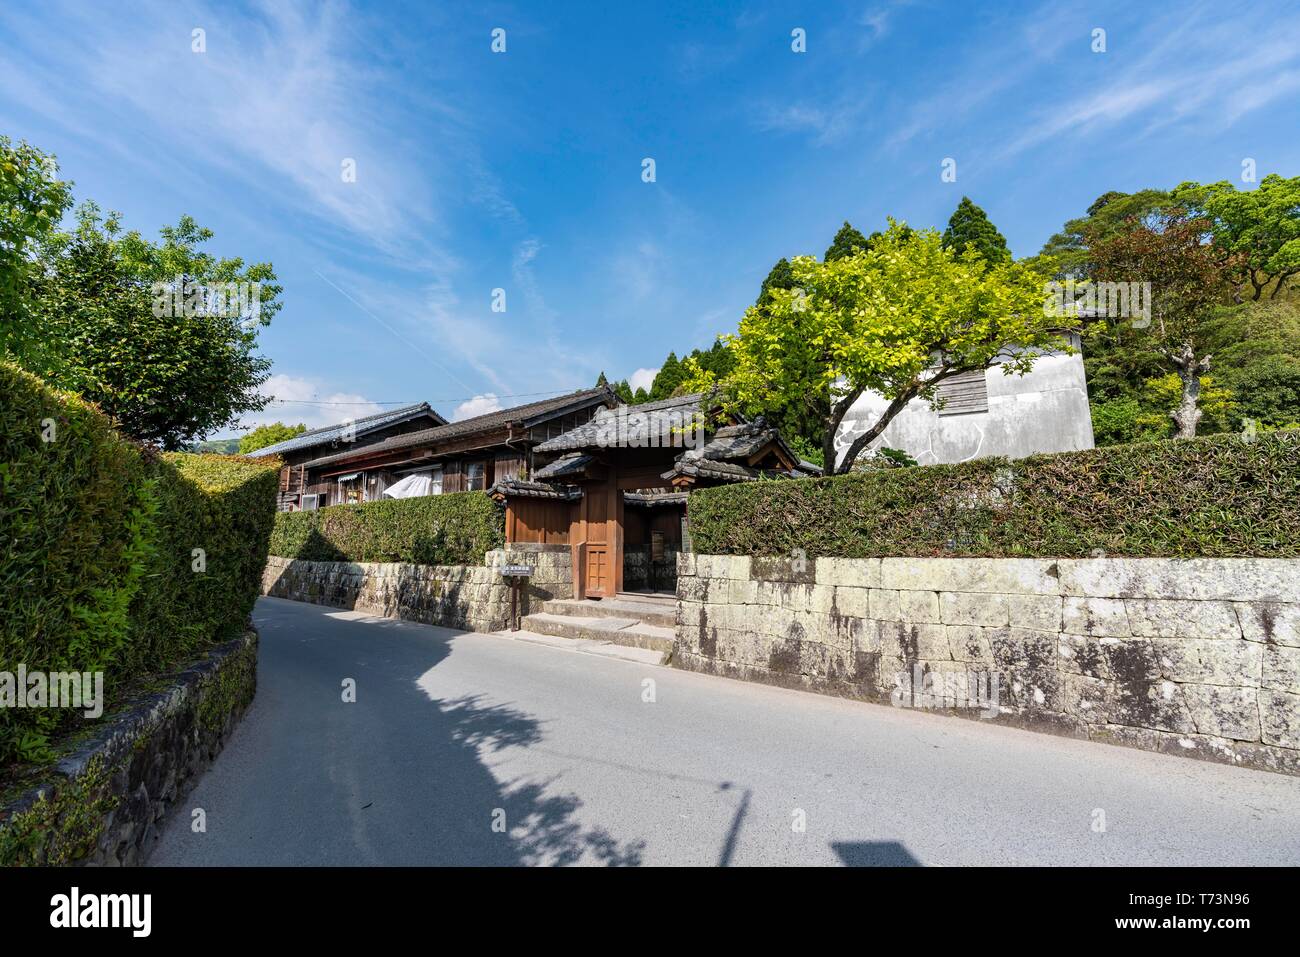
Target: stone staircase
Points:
(635, 620)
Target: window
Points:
(435, 481)
(965, 392)
(476, 476)
(352, 488)
(311, 503)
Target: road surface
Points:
(481, 749)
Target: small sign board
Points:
(516, 571)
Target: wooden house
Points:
(468, 455)
(615, 488)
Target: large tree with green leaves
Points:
(156, 334)
(32, 202)
(1261, 225)
(1066, 254)
(1187, 277)
(970, 226)
(269, 434)
(847, 241)
(896, 318)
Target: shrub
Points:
(1218, 496)
(453, 529)
(96, 572)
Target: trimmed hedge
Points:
(1219, 496)
(97, 568)
(453, 529)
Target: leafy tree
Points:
(896, 318)
(846, 241)
(779, 278)
(624, 391)
(668, 378)
(32, 202)
(969, 225)
(641, 395)
(1262, 225)
(1187, 277)
(1066, 254)
(270, 434)
(143, 329)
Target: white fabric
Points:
(413, 486)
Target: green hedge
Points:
(97, 568)
(1217, 497)
(453, 529)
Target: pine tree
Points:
(602, 380)
(845, 241)
(667, 379)
(970, 225)
(781, 277)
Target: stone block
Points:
(919, 606)
(883, 604)
(1225, 712)
(1271, 622)
(969, 643)
(1095, 616)
(853, 602)
(1279, 713)
(1234, 662)
(1180, 618)
(1038, 612)
(852, 572)
(1022, 576)
(969, 608)
(1281, 667)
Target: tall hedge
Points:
(97, 564)
(453, 529)
(1219, 496)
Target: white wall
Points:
(1045, 410)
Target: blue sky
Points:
(522, 170)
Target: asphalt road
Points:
(480, 749)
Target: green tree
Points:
(667, 379)
(32, 202)
(1066, 254)
(1187, 277)
(269, 434)
(969, 225)
(779, 278)
(160, 335)
(897, 318)
(1262, 225)
(846, 241)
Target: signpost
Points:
(517, 576)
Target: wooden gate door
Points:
(599, 577)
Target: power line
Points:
(462, 398)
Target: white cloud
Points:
(479, 405)
(299, 399)
(642, 379)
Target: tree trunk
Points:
(838, 411)
(1188, 414)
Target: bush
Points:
(1218, 496)
(453, 529)
(97, 568)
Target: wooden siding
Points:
(544, 521)
(965, 392)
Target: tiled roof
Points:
(331, 433)
(526, 415)
(630, 426)
(519, 488)
(575, 463)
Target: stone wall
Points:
(105, 802)
(1199, 657)
(471, 597)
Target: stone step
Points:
(622, 631)
(659, 613)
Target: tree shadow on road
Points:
(398, 776)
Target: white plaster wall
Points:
(1045, 410)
